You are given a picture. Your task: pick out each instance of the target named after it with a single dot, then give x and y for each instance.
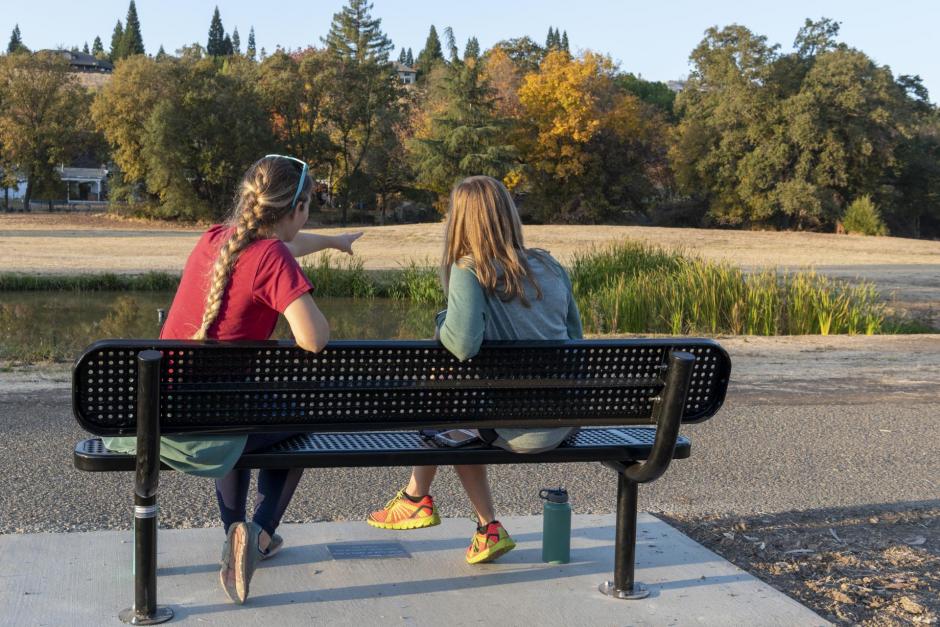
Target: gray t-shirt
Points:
(472, 317)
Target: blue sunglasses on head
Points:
(303, 175)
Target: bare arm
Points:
(308, 243)
(307, 323)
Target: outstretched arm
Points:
(308, 243)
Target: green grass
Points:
(634, 288)
(629, 287)
(107, 282)
(335, 275)
(416, 283)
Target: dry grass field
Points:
(77, 243)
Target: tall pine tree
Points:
(97, 48)
(402, 57)
(410, 59)
(564, 42)
(363, 89)
(236, 42)
(356, 36)
(133, 41)
(466, 137)
(161, 53)
(250, 51)
(85, 48)
(472, 49)
(216, 44)
(228, 49)
(550, 39)
(117, 42)
(16, 41)
(432, 52)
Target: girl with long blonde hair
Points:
(497, 289)
(239, 277)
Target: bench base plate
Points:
(161, 615)
(639, 591)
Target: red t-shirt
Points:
(265, 280)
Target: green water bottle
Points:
(556, 526)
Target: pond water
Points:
(37, 326)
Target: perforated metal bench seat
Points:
(403, 448)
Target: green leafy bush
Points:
(862, 217)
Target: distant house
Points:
(79, 185)
(408, 75)
(90, 71)
(675, 86)
(83, 184)
(81, 62)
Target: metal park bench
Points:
(360, 403)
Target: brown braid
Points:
(264, 198)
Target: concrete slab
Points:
(85, 579)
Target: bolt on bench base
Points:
(639, 591)
(160, 615)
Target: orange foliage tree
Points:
(592, 150)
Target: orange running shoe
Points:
(402, 513)
(489, 544)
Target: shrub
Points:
(862, 216)
(634, 288)
(343, 277)
(419, 284)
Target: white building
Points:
(79, 185)
(408, 75)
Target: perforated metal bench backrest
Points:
(353, 385)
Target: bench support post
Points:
(145, 610)
(667, 411)
(624, 586)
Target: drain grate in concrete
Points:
(366, 550)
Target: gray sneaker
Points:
(240, 557)
(273, 547)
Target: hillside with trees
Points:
(818, 136)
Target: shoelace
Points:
(396, 498)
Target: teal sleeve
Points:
(573, 319)
(465, 319)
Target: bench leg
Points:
(145, 610)
(623, 586)
(147, 478)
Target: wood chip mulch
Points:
(852, 567)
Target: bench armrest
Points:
(668, 414)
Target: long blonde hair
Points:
(264, 197)
(484, 232)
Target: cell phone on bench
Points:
(456, 437)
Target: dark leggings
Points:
(275, 488)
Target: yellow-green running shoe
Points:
(489, 544)
(403, 513)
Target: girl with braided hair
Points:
(237, 280)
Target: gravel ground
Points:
(810, 423)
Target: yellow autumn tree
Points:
(592, 149)
(564, 101)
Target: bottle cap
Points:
(554, 496)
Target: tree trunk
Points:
(29, 191)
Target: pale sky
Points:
(653, 39)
